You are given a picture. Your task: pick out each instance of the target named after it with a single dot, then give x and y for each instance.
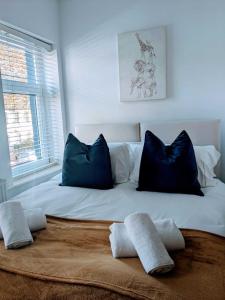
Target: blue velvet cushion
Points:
(170, 169)
(87, 165)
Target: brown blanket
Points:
(72, 260)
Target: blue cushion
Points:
(170, 169)
(87, 165)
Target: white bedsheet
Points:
(188, 211)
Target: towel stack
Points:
(139, 236)
(16, 224)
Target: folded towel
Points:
(122, 246)
(14, 226)
(146, 240)
(170, 235)
(36, 219)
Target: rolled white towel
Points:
(170, 235)
(122, 246)
(146, 240)
(15, 229)
(36, 219)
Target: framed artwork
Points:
(142, 64)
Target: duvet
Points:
(72, 259)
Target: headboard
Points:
(202, 132)
(115, 132)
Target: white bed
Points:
(189, 211)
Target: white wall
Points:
(195, 59)
(37, 16)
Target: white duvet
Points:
(188, 211)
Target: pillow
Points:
(170, 169)
(120, 162)
(135, 151)
(87, 165)
(207, 158)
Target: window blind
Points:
(30, 86)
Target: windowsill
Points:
(29, 181)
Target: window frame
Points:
(5, 168)
(34, 91)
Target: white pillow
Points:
(207, 158)
(135, 150)
(120, 162)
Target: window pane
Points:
(30, 86)
(13, 63)
(24, 144)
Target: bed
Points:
(199, 272)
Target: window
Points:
(29, 85)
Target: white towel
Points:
(146, 240)
(14, 226)
(36, 220)
(122, 246)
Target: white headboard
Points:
(202, 132)
(117, 132)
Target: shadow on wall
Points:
(92, 18)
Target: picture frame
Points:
(142, 64)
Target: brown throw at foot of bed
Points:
(73, 260)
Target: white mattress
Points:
(188, 211)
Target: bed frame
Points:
(202, 132)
